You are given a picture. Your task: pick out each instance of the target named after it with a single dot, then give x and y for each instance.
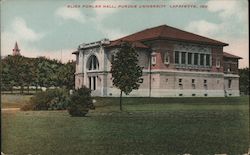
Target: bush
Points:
(28, 106)
(52, 99)
(80, 102)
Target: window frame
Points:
(166, 57)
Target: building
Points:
(175, 63)
(16, 50)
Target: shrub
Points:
(80, 102)
(52, 99)
(27, 107)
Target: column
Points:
(179, 57)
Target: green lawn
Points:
(14, 101)
(154, 126)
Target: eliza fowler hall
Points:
(175, 63)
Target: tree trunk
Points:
(121, 101)
(28, 89)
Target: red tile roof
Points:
(170, 33)
(228, 55)
(136, 44)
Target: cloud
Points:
(71, 14)
(239, 47)
(226, 9)
(110, 33)
(203, 27)
(231, 15)
(102, 13)
(20, 32)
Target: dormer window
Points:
(166, 58)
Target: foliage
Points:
(80, 102)
(52, 99)
(65, 75)
(43, 72)
(244, 80)
(126, 72)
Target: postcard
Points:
(127, 77)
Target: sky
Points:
(54, 29)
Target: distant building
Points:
(175, 63)
(16, 50)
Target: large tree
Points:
(244, 80)
(66, 75)
(126, 72)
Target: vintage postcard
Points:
(124, 77)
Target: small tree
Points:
(80, 102)
(126, 72)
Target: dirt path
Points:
(10, 109)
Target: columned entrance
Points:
(92, 66)
(92, 82)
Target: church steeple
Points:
(16, 50)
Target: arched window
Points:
(93, 63)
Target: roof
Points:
(16, 47)
(136, 44)
(170, 33)
(228, 55)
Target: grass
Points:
(14, 101)
(147, 126)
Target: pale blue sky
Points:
(49, 27)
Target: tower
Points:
(16, 50)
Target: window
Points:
(153, 60)
(180, 84)
(180, 80)
(92, 82)
(207, 60)
(229, 83)
(229, 68)
(196, 58)
(89, 82)
(193, 83)
(176, 57)
(77, 59)
(201, 59)
(166, 58)
(218, 62)
(93, 63)
(205, 84)
(183, 57)
(189, 58)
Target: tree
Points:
(80, 102)
(244, 80)
(126, 72)
(66, 75)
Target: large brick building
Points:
(175, 63)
